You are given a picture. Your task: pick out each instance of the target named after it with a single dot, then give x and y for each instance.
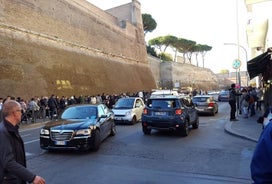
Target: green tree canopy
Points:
(149, 24)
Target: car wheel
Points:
(213, 113)
(134, 120)
(185, 129)
(196, 123)
(146, 130)
(96, 142)
(113, 130)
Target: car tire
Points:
(113, 130)
(96, 142)
(146, 130)
(196, 123)
(185, 129)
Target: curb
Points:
(229, 130)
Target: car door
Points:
(105, 120)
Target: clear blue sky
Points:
(210, 22)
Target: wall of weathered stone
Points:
(69, 47)
(168, 74)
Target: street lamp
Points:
(239, 46)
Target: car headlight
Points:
(84, 132)
(128, 113)
(44, 131)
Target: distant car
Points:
(205, 104)
(128, 110)
(169, 112)
(223, 96)
(81, 127)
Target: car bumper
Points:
(84, 143)
(122, 119)
(205, 110)
(163, 124)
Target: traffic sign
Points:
(236, 64)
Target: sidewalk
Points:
(246, 128)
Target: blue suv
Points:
(169, 112)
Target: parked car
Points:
(205, 104)
(80, 127)
(223, 96)
(128, 110)
(169, 112)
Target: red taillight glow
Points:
(145, 111)
(211, 104)
(178, 111)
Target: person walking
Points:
(12, 152)
(53, 106)
(232, 101)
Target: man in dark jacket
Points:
(53, 106)
(232, 101)
(12, 152)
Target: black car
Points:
(169, 112)
(81, 127)
(205, 104)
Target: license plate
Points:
(61, 143)
(118, 118)
(160, 113)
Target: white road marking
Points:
(28, 154)
(28, 142)
(25, 135)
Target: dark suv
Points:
(169, 113)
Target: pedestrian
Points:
(244, 103)
(261, 168)
(53, 106)
(12, 152)
(232, 101)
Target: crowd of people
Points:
(51, 107)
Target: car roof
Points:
(130, 97)
(165, 97)
(201, 96)
(84, 105)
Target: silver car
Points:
(128, 110)
(205, 104)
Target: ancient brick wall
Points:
(69, 47)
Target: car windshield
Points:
(162, 103)
(80, 113)
(124, 103)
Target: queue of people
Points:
(44, 107)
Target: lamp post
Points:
(244, 49)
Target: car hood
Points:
(71, 124)
(121, 111)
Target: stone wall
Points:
(69, 47)
(168, 74)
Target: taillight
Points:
(211, 104)
(145, 111)
(178, 111)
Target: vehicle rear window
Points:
(200, 99)
(162, 103)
